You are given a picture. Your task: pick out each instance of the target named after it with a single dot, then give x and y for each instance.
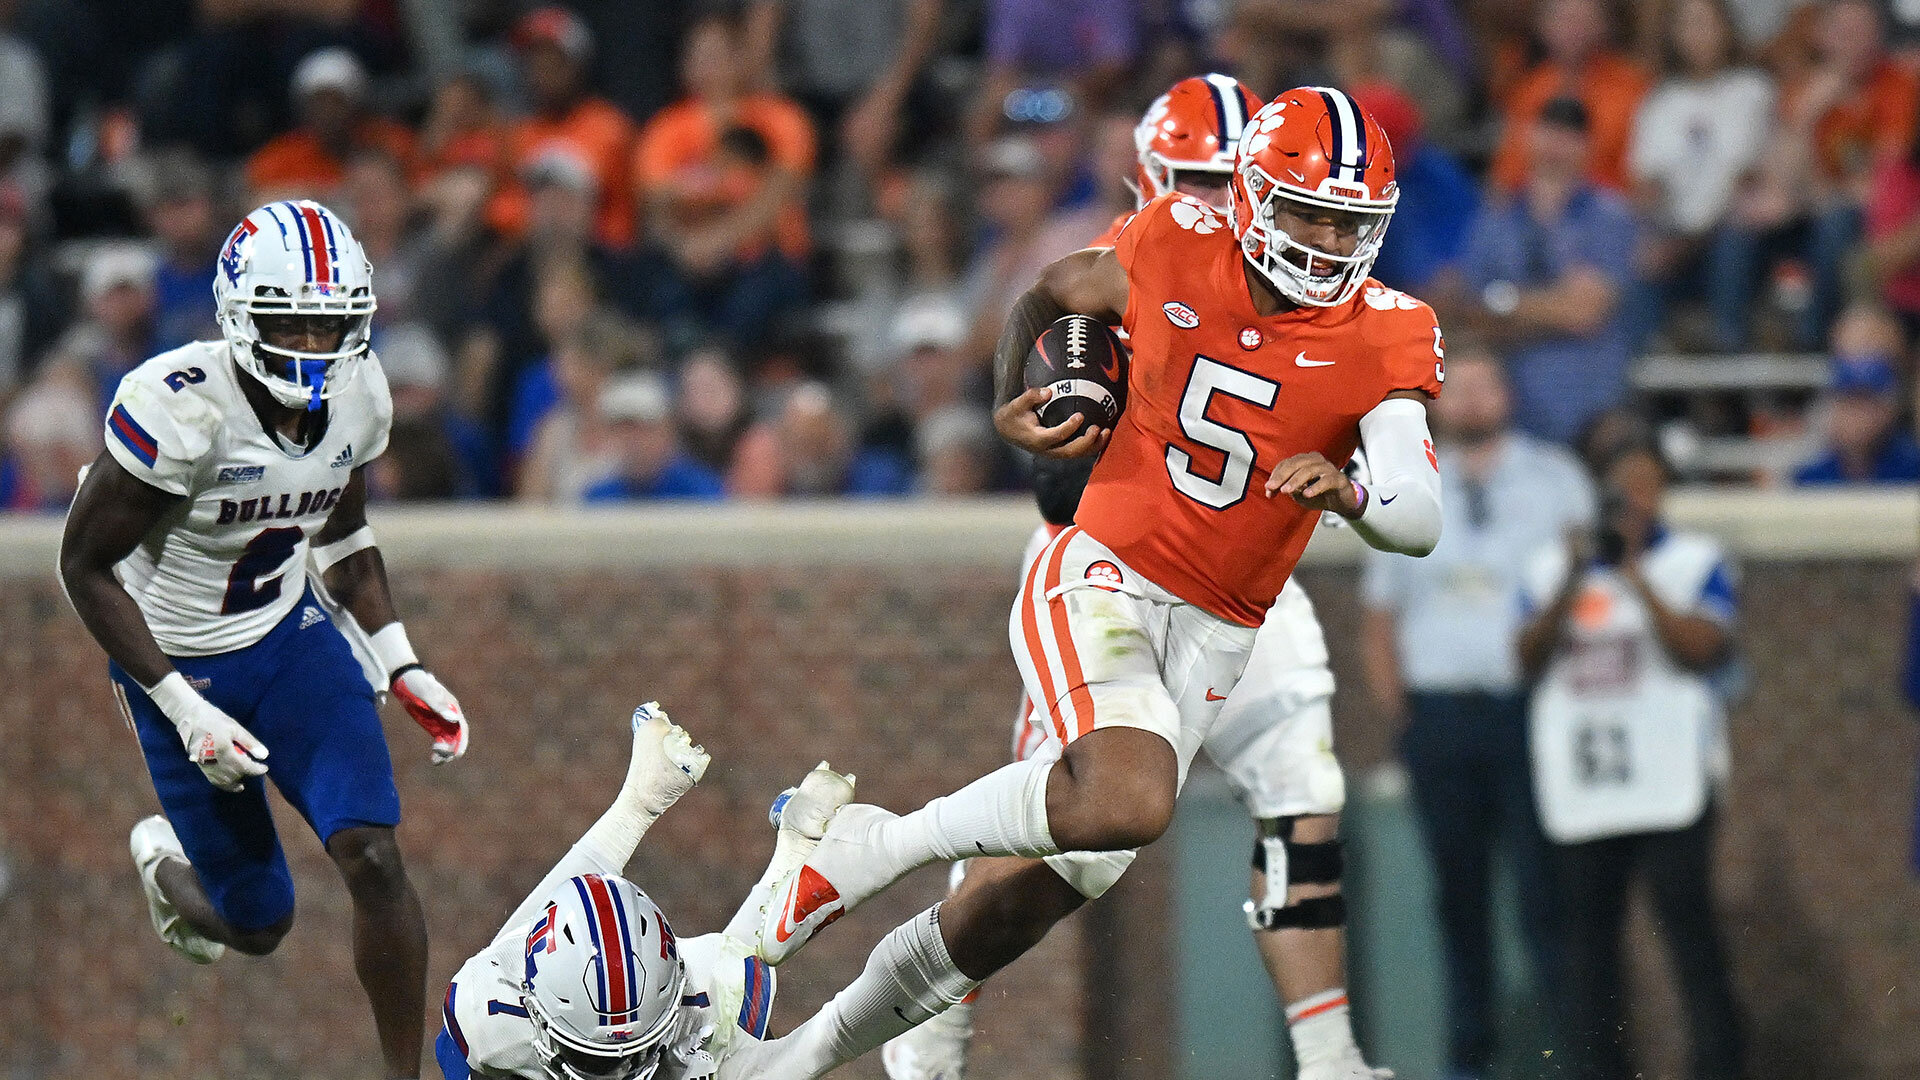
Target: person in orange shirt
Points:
(555, 46)
(310, 161)
(723, 173)
(1582, 64)
(1838, 121)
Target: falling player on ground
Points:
(1136, 623)
(1274, 735)
(186, 555)
(586, 980)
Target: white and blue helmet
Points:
(294, 261)
(603, 981)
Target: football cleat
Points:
(1348, 1067)
(152, 840)
(841, 874)
(936, 1050)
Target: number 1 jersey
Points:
(1218, 395)
(230, 562)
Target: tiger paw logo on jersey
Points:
(1250, 338)
(1381, 298)
(1195, 216)
(1105, 575)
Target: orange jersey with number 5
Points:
(1218, 395)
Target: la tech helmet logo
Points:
(1180, 314)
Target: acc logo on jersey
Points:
(1104, 574)
(1180, 314)
(1194, 215)
(230, 254)
(1384, 299)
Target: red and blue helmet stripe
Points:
(319, 252)
(618, 978)
(757, 1008)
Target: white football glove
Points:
(435, 709)
(666, 761)
(226, 753)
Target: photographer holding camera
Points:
(1628, 626)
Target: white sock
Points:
(909, 977)
(1002, 813)
(1321, 1028)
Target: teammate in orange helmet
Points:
(1263, 356)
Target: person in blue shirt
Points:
(652, 463)
(1542, 279)
(1438, 196)
(1865, 444)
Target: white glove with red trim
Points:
(226, 753)
(425, 699)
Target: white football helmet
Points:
(603, 981)
(291, 263)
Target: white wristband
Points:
(353, 543)
(391, 647)
(173, 697)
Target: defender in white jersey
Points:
(233, 471)
(586, 981)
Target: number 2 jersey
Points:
(230, 561)
(1218, 395)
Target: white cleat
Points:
(839, 876)
(153, 840)
(665, 758)
(936, 1050)
(1351, 1067)
(804, 811)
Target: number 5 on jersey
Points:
(1210, 377)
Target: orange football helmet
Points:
(1193, 127)
(1313, 166)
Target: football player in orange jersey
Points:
(1262, 352)
(1274, 735)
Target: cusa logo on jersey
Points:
(264, 508)
(1180, 314)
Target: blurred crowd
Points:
(702, 249)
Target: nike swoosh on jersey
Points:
(1385, 499)
(1304, 362)
(1211, 696)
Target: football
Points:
(1086, 365)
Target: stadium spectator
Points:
(1891, 262)
(374, 199)
(310, 162)
(176, 199)
(1438, 197)
(116, 332)
(926, 373)
(1543, 276)
(1581, 62)
(1048, 57)
(1438, 651)
(855, 65)
(723, 172)
(446, 454)
(711, 407)
(649, 460)
(1853, 110)
(25, 122)
(1865, 442)
(462, 130)
(1627, 626)
(957, 451)
(554, 48)
(31, 312)
(808, 450)
(572, 447)
(1697, 136)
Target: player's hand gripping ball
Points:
(1085, 365)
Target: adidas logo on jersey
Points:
(310, 615)
(241, 474)
(345, 460)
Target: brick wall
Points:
(902, 676)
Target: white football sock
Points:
(1321, 1027)
(909, 977)
(1002, 813)
(616, 836)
